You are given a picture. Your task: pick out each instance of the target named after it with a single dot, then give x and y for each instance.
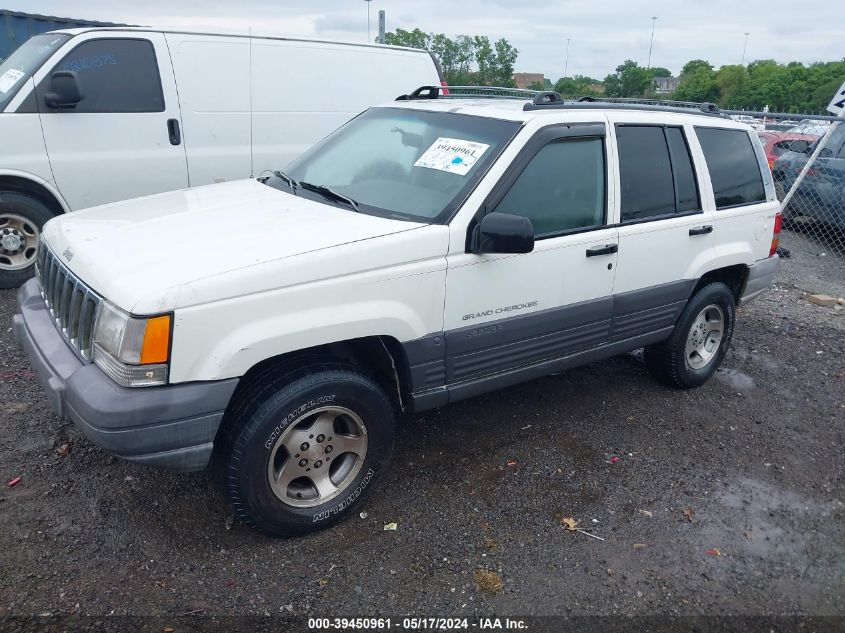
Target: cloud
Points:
(603, 33)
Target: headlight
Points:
(133, 351)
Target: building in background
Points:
(524, 80)
(665, 85)
(17, 27)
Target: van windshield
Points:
(25, 60)
(402, 163)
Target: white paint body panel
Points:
(244, 105)
(556, 273)
(251, 272)
(24, 154)
(102, 157)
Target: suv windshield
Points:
(24, 61)
(403, 163)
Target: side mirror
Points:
(64, 90)
(503, 233)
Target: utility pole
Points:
(744, 48)
(566, 65)
(651, 45)
(368, 19)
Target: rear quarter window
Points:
(733, 166)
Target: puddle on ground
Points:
(735, 379)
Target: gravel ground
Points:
(727, 499)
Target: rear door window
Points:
(114, 75)
(733, 165)
(658, 178)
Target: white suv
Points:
(432, 249)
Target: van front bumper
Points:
(171, 426)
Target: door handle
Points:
(174, 132)
(607, 249)
(701, 230)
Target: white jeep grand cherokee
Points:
(430, 250)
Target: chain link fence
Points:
(808, 166)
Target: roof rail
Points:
(547, 99)
(647, 105)
(466, 92)
(423, 92)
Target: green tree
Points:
(537, 85)
(698, 82)
(505, 59)
(629, 80)
(464, 59)
(731, 83)
(659, 71)
(576, 86)
(411, 39)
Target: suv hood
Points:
(134, 249)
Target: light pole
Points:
(744, 48)
(566, 65)
(651, 44)
(368, 19)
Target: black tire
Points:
(36, 213)
(268, 406)
(667, 361)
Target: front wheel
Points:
(21, 219)
(302, 450)
(699, 342)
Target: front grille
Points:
(72, 303)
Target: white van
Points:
(95, 115)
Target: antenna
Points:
(251, 116)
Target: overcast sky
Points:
(603, 33)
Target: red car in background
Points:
(776, 143)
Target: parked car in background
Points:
(821, 195)
(95, 115)
(776, 143)
(814, 128)
(428, 251)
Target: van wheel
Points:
(303, 450)
(699, 342)
(21, 219)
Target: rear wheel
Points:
(699, 342)
(303, 450)
(21, 220)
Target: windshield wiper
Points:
(278, 173)
(329, 193)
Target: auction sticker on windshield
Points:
(9, 79)
(452, 155)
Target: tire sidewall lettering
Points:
(348, 500)
(295, 413)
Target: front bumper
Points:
(171, 427)
(761, 274)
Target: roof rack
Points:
(544, 101)
(547, 99)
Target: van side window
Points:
(114, 75)
(562, 188)
(734, 169)
(657, 174)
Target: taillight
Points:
(771, 163)
(445, 88)
(776, 234)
